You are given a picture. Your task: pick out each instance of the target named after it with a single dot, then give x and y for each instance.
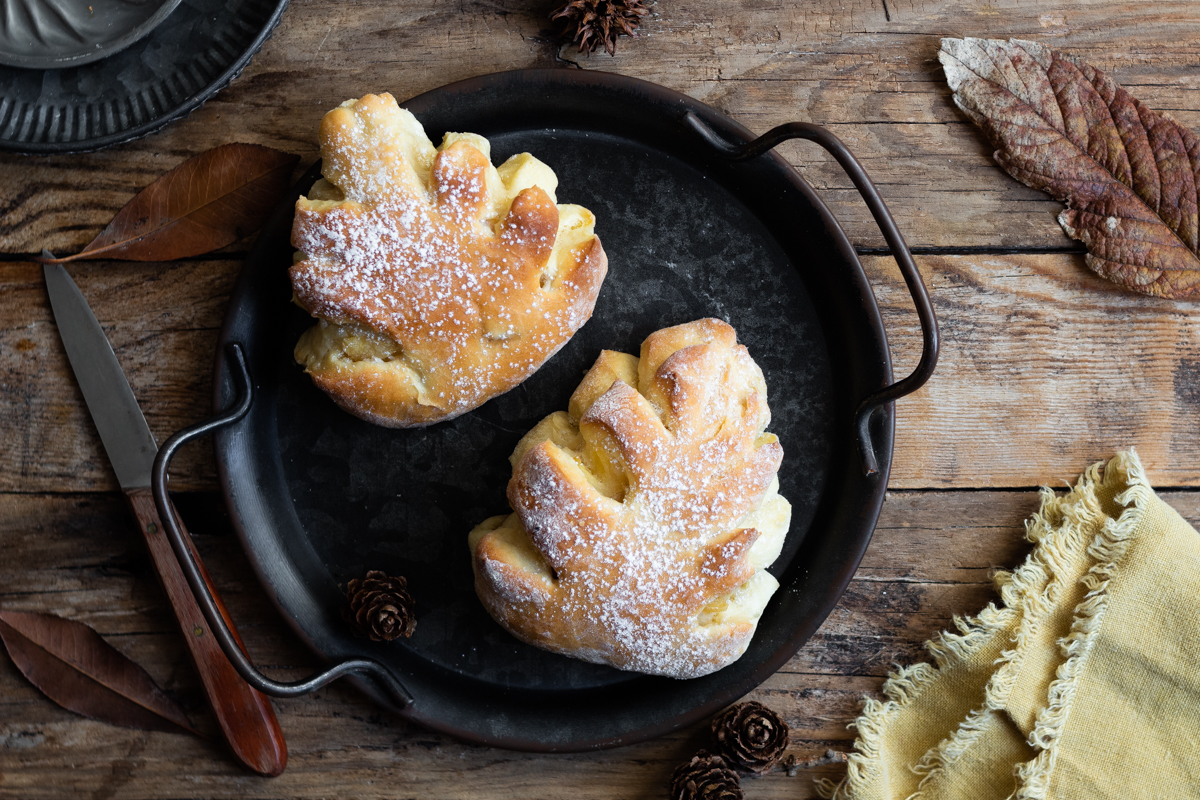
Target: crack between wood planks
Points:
(932, 250)
(862, 250)
(906, 490)
(993, 489)
(82, 494)
(921, 581)
(186, 259)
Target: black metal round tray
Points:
(191, 55)
(320, 497)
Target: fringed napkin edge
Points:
(1029, 591)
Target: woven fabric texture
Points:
(1084, 681)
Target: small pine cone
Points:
(750, 736)
(379, 607)
(593, 23)
(705, 777)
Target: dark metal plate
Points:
(49, 34)
(170, 72)
(319, 497)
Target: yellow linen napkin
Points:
(1084, 683)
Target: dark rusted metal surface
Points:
(899, 249)
(318, 496)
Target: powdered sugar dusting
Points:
(424, 257)
(636, 574)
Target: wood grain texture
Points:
(162, 322)
(1045, 368)
(865, 67)
(932, 557)
(74, 555)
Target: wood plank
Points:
(1045, 368)
(74, 555)
(162, 321)
(865, 67)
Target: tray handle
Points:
(191, 570)
(887, 225)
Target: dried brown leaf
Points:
(206, 202)
(77, 669)
(1128, 174)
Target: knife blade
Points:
(245, 715)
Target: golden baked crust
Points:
(439, 280)
(645, 515)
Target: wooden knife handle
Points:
(245, 714)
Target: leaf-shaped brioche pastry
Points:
(646, 514)
(440, 281)
(80, 671)
(1129, 175)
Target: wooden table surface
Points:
(1045, 368)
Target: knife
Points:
(245, 715)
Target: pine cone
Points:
(750, 736)
(379, 607)
(705, 777)
(592, 23)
